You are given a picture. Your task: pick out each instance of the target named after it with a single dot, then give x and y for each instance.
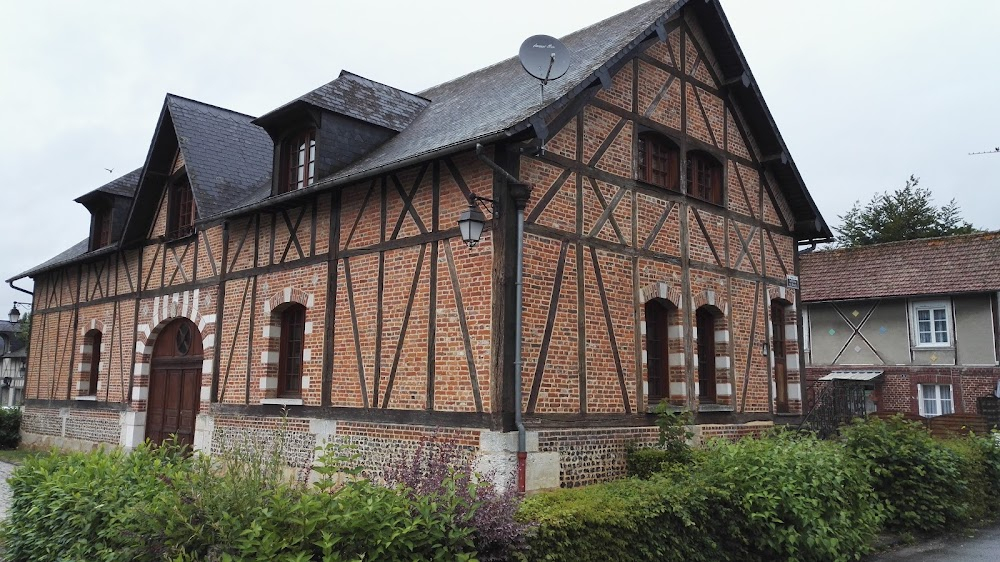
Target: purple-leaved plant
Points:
(442, 469)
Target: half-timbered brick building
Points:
(310, 260)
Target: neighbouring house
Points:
(13, 355)
(909, 327)
(309, 260)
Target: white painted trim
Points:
(141, 369)
(307, 355)
(305, 382)
(272, 332)
(676, 360)
(722, 362)
(140, 393)
(794, 391)
(206, 366)
(645, 360)
(87, 398)
(792, 361)
(82, 367)
(310, 301)
(83, 385)
(723, 389)
(722, 336)
(206, 393)
(268, 383)
(930, 305)
(269, 357)
(678, 389)
(675, 332)
(936, 398)
(307, 327)
(209, 341)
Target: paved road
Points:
(983, 545)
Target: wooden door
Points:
(174, 383)
(780, 361)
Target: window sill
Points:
(651, 408)
(282, 402)
(88, 398)
(932, 347)
(716, 408)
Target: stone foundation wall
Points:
(70, 428)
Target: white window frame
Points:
(937, 399)
(916, 307)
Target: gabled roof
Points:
(225, 154)
(931, 266)
(16, 344)
(123, 186)
(226, 157)
(362, 99)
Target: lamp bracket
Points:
(486, 202)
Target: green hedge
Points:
(920, 479)
(10, 428)
(160, 504)
(785, 497)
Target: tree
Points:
(24, 330)
(905, 214)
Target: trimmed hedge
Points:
(10, 428)
(784, 497)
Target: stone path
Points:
(5, 470)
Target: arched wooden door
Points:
(174, 383)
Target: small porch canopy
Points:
(852, 376)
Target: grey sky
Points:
(864, 93)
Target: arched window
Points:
(704, 177)
(88, 386)
(293, 322)
(657, 350)
(298, 161)
(705, 319)
(659, 161)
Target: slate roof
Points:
(16, 345)
(124, 186)
(363, 99)
(932, 266)
(66, 256)
(225, 154)
(500, 96)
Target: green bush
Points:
(75, 506)
(632, 519)
(919, 479)
(778, 498)
(159, 504)
(800, 498)
(10, 428)
(980, 469)
(645, 462)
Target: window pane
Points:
(946, 401)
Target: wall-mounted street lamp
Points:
(472, 220)
(15, 315)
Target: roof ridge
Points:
(912, 241)
(205, 104)
(355, 74)
(563, 39)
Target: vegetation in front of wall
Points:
(158, 503)
(785, 496)
(10, 428)
(673, 446)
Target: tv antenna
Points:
(545, 58)
(994, 151)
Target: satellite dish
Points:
(544, 57)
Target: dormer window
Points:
(659, 161)
(102, 229)
(704, 177)
(298, 161)
(182, 209)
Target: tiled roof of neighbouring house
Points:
(931, 266)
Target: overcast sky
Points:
(864, 93)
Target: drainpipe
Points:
(520, 192)
(12, 286)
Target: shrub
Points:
(442, 471)
(10, 428)
(657, 519)
(980, 469)
(75, 506)
(800, 498)
(918, 478)
(645, 462)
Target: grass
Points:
(18, 456)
